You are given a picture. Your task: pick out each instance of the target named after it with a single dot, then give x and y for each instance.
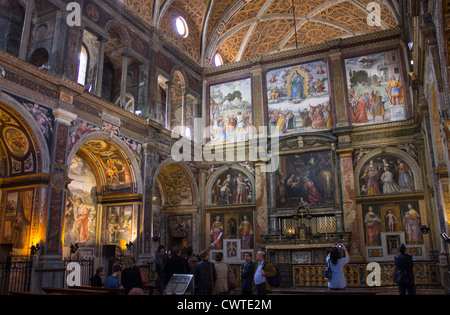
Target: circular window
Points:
(181, 27)
(218, 61)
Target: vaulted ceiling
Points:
(241, 29)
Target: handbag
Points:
(232, 281)
(327, 271)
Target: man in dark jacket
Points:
(247, 271)
(205, 274)
(175, 265)
(403, 273)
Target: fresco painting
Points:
(298, 98)
(376, 89)
(231, 111)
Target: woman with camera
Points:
(336, 259)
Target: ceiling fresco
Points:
(242, 29)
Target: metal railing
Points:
(86, 270)
(15, 274)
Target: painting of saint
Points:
(17, 220)
(386, 174)
(411, 224)
(307, 176)
(119, 224)
(81, 210)
(298, 98)
(375, 88)
(232, 187)
(372, 223)
(246, 232)
(216, 233)
(231, 111)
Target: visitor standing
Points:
(337, 259)
(96, 280)
(403, 273)
(131, 278)
(264, 270)
(247, 271)
(176, 264)
(205, 274)
(221, 284)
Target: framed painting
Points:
(230, 111)
(307, 176)
(376, 89)
(298, 98)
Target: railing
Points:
(15, 274)
(311, 275)
(86, 270)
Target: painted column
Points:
(123, 81)
(261, 216)
(339, 95)
(350, 210)
(23, 50)
(168, 104)
(101, 61)
(50, 269)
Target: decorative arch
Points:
(124, 150)
(35, 131)
(121, 30)
(213, 179)
(157, 180)
(417, 174)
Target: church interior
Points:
(235, 125)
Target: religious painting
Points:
(180, 229)
(391, 221)
(80, 221)
(232, 187)
(386, 174)
(298, 98)
(376, 90)
(231, 111)
(231, 225)
(232, 248)
(78, 129)
(308, 177)
(17, 220)
(117, 171)
(372, 226)
(119, 225)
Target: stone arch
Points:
(120, 29)
(124, 149)
(43, 158)
(417, 174)
(212, 180)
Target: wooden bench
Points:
(71, 291)
(100, 289)
(25, 293)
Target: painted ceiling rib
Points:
(247, 37)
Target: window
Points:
(218, 61)
(82, 68)
(181, 27)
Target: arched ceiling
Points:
(242, 29)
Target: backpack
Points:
(276, 280)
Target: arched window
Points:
(181, 27)
(218, 61)
(83, 65)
